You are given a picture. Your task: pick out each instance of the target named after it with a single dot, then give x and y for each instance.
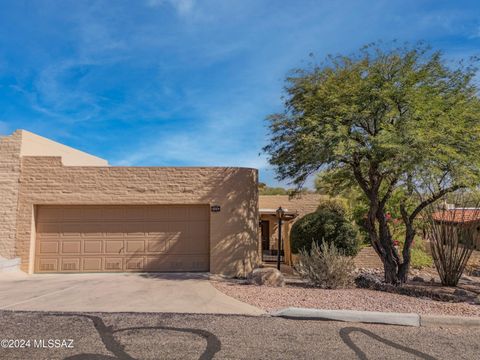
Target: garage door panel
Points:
(47, 265)
(156, 245)
(198, 230)
(113, 229)
(136, 228)
(113, 213)
(114, 246)
(70, 264)
(71, 247)
(178, 229)
(177, 263)
(154, 228)
(135, 264)
(122, 238)
(48, 247)
(167, 213)
(92, 264)
(191, 247)
(73, 229)
(92, 213)
(73, 214)
(135, 246)
(135, 212)
(92, 246)
(49, 230)
(114, 264)
(51, 213)
(94, 230)
(199, 213)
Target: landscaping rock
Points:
(368, 281)
(418, 279)
(460, 292)
(476, 301)
(475, 273)
(266, 276)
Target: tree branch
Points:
(431, 200)
(357, 172)
(389, 191)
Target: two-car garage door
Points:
(122, 238)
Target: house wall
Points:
(233, 231)
(9, 186)
(35, 145)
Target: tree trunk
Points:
(405, 266)
(390, 268)
(390, 258)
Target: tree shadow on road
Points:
(118, 350)
(345, 335)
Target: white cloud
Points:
(205, 148)
(183, 7)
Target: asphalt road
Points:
(181, 336)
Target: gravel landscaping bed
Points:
(272, 298)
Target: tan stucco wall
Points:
(12, 147)
(35, 145)
(9, 185)
(233, 231)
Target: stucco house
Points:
(458, 216)
(65, 211)
(62, 210)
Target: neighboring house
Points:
(294, 208)
(63, 210)
(468, 217)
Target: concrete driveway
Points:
(126, 292)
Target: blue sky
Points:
(185, 82)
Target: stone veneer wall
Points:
(234, 246)
(10, 147)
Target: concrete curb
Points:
(374, 317)
(404, 319)
(439, 320)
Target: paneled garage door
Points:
(122, 238)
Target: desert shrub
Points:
(325, 266)
(452, 239)
(328, 223)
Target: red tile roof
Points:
(457, 215)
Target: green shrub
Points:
(328, 223)
(419, 258)
(325, 266)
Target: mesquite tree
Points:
(390, 121)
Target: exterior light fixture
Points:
(280, 214)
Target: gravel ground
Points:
(103, 336)
(271, 299)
